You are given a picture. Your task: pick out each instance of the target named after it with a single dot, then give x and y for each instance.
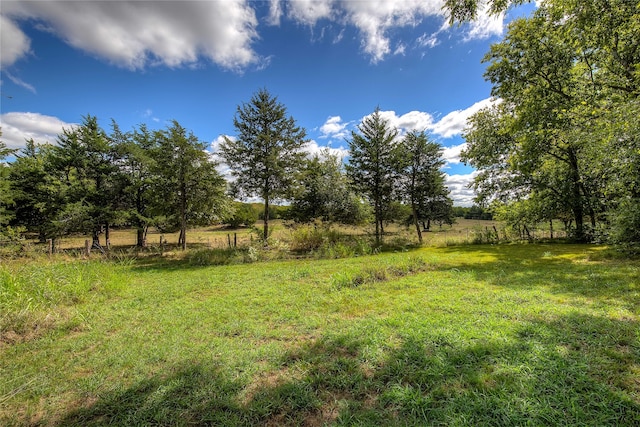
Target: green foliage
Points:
(625, 226)
(38, 191)
(562, 141)
(187, 180)
(266, 155)
(372, 165)
(422, 183)
(243, 215)
(84, 160)
(323, 193)
(6, 197)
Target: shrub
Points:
(203, 257)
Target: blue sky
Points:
(329, 62)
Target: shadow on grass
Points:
(575, 370)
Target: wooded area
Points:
(92, 180)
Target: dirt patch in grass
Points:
(28, 327)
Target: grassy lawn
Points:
(461, 335)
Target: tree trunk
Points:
(183, 217)
(576, 202)
(141, 236)
(95, 238)
(416, 223)
(551, 229)
(265, 231)
(107, 236)
(377, 215)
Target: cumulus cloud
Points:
(135, 34)
(452, 154)
(375, 21)
(408, 122)
(314, 148)
(18, 127)
(14, 44)
(454, 122)
(451, 124)
(138, 34)
(311, 11)
(485, 25)
(334, 127)
(458, 185)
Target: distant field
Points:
(511, 335)
(464, 230)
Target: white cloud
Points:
(452, 154)
(428, 40)
(485, 25)
(275, 12)
(313, 148)
(375, 19)
(14, 44)
(411, 121)
(18, 127)
(454, 122)
(135, 34)
(310, 11)
(458, 185)
(450, 125)
(334, 127)
(19, 82)
(138, 34)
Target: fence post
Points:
(50, 246)
(87, 247)
(235, 240)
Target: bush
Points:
(312, 237)
(204, 257)
(625, 227)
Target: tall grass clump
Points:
(378, 273)
(31, 295)
(214, 256)
(311, 237)
(323, 242)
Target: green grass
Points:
(466, 335)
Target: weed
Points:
(205, 257)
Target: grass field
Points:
(524, 334)
(464, 230)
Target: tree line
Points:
(91, 180)
(563, 140)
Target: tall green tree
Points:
(85, 160)
(372, 165)
(37, 191)
(185, 177)
(266, 155)
(568, 79)
(136, 164)
(422, 183)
